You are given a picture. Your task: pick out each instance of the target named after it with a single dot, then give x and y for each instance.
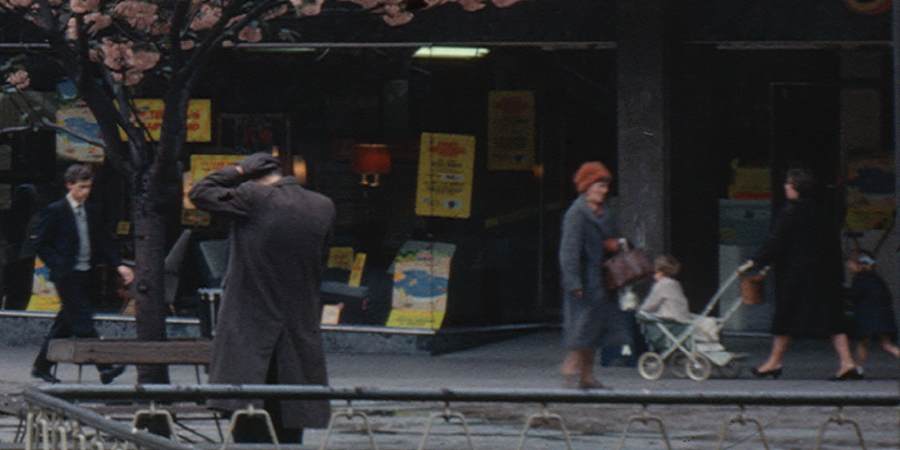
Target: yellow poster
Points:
(81, 122)
(199, 118)
(421, 281)
(340, 258)
(43, 292)
(446, 169)
(201, 166)
(359, 263)
(511, 127)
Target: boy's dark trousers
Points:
(75, 317)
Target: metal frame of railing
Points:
(57, 400)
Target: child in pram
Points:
(688, 342)
(666, 299)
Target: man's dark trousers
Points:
(75, 317)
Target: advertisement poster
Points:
(199, 118)
(870, 194)
(446, 168)
(43, 293)
(81, 121)
(421, 277)
(510, 130)
(201, 166)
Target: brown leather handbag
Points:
(626, 267)
(752, 287)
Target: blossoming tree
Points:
(107, 48)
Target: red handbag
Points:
(626, 267)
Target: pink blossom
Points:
(83, 6)
(116, 55)
(160, 28)
(471, 5)
(206, 18)
(19, 79)
(72, 29)
(398, 19)
(235, 20)
(140, 15)
(250, 34)
(97, 21)
(143, 60)
(187, 44)
(12, 4)
(133, 77)
(433, 3)
(504, 3)
(311, 9)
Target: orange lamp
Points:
(371, 161)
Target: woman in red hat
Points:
(589, 236)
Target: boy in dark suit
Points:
(71, 240)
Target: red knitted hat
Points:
(590, 173)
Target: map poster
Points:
(81, 121)
(511, 124)
(446, 169)
(421, 279)
(201, 166)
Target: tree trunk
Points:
(150, 253)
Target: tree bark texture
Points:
(149, 252)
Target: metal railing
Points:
(55, 420)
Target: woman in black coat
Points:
(807, 283)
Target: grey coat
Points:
(594, 319)
(271, 307)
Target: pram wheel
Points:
(699, 369)
(651, 366)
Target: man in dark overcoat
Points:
(71, 240)
(268, 326)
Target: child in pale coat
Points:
(666, 299)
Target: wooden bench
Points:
(195, 352)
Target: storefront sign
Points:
(81, 121)
(446, 167)
(43, 292)
(421, 277)
(199, 118)
(869, 7)
(510, 130)
(201, 166)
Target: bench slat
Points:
(130, 351)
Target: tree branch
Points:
(179, 21)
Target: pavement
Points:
(531, 362)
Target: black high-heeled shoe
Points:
(849, 374)
(774, 373)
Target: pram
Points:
(690, 349)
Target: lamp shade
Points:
(371, 159)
